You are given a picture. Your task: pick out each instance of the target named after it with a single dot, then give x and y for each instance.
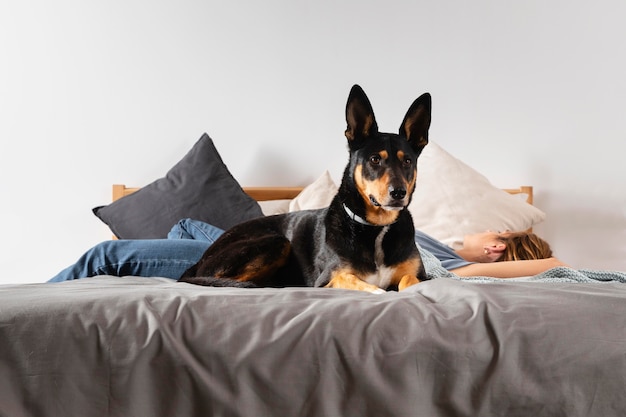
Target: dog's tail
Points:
(218, 282)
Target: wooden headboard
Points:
(287, 193)
(280, 193)
(523, 189)
(258, 193)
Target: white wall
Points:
(102, 92)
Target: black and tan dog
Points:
(364, 240)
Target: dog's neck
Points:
(355, 217)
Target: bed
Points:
(549, 345)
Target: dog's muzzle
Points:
(374, 202)
(396, 202)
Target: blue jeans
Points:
(168, 258)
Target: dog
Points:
(363, 241)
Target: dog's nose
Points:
(397, 193)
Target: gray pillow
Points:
(199, 186)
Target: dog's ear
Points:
(360, 116)
(417, 121)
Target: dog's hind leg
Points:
(407, 281)
(246, 263)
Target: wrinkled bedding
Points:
(132, 346)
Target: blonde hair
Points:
(524, 246)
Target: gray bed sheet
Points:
(135, 347)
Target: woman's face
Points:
(486, 246)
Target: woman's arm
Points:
(508, 269)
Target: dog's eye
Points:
(375, 159)
(407, 162)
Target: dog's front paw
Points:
(349, 281)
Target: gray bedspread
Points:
(152, 347)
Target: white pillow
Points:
(317, 195)
(452, 200)
(270, 207)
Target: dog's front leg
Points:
(349, 281)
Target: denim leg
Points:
(194, 229)
(145, 258)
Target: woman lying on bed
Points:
(493, 254)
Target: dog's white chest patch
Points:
(382, 277)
